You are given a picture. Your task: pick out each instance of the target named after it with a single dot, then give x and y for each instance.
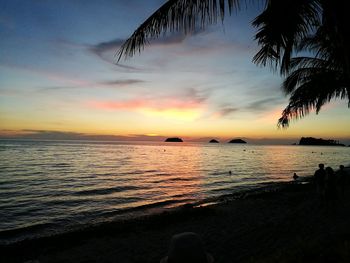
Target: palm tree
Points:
(284, 27)
(314, 81)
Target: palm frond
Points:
(281, 26)
(311, 93)
(304, 69)
(308, 62)
(176, 16)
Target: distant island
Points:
(175, 139)
(213, 141)
(237, 141)
(314, 141)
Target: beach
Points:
(284, 222)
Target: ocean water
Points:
(48, 187)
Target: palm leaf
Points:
(176, 16)
(313, 87)
(302, 70)
(281, 26)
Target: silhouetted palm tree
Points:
(281, 27)
(314, 81)
(284, 27)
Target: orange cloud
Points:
(172, 108)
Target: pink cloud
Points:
(157, 105)
(169, 108)
(121, 105)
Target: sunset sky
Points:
(58, 75)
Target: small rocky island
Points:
(175, 139)
(314, 141)
(213, 141)
(237, 141)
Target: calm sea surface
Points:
(56, 186)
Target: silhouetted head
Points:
(321, 165)
(341, 167)
(329, 170)
(187, 248)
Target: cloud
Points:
(189, 98)
(54, 88)
(196, 94)
(227, 111)
(121, 82)
(101, 84)
(113, 45)
(224, 111)
(157, 105)
(186, 106)
(264, 104)
(66, 135)
(128, 68)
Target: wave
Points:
(61, 165)
(159, 204)
(7, 236)
(184, 179)
(106, 191)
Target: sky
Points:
(59, 78)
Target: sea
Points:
(51, 187)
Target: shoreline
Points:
(280, 222)
(144, 213)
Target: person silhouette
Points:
(331, 185)
(342, 180)
(187, 247)
(319, 179)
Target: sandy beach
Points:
(280, 223)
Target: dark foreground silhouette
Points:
(187, 247)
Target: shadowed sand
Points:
(283, 223)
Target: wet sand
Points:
(283, 223)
